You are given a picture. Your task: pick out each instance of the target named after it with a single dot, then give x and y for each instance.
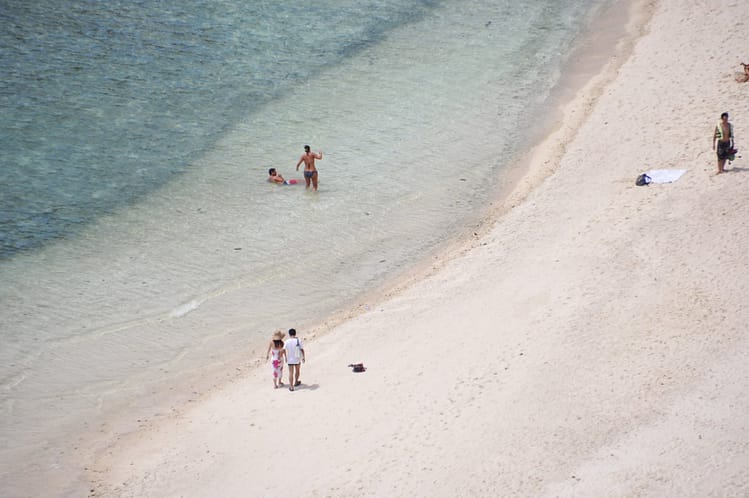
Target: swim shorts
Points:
(723, 150)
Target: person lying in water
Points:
(276, 177)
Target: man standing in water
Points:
(724, 136)
(310, 172)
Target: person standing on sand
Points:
(724, 137)
(310, 172)
(294, 356)
(277, 351)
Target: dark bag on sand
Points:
(643, 179)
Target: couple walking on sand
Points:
(292, 352)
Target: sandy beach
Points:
(592, 341)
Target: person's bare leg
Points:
(291, 377)
(314, 181)
(306, 181)
(721, 164)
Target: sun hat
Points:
(278, 335)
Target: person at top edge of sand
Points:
(310, 171)
(294, 356)
(724, 137)
(277, 351)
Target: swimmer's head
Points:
(272, 172)
(306, 148)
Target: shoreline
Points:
(581, 86)
(132, 416)
(140, 255)
(552, 150)
(576, 92)
(524, 173)
(130, 256)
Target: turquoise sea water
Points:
(139, 241)
(110, 101)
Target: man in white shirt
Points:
(294, 356)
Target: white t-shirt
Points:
(293, 350)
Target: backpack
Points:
(643, 179)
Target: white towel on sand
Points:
(665, 175)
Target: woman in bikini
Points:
(310, 172)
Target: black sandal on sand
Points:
(291, 388)
(298, 383)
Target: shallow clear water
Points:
(139, 238)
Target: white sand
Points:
(593, 343)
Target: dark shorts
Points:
(723, 150)
(309, 174)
